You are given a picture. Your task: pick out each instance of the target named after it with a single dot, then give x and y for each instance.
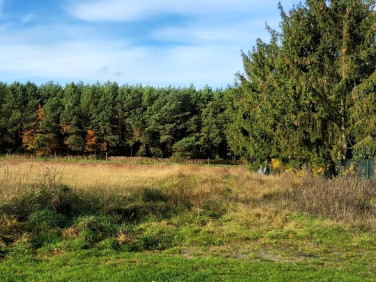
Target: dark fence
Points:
(364, 168)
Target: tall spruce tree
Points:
(328, 48)
(3, 119)
(253, 132)
(310, 93)
(105, 117)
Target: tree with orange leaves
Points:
(91, 141)
(29, 139)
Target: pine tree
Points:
(104, 117)
(3, 119)
(71, 118)
(49, 138)
(29, 138)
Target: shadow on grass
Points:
(51, 216)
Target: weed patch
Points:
(343, 199)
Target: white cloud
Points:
(92, 61)
(204, 51)
(67, 52)
(238, 34)
(127, 10)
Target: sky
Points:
(149, 42)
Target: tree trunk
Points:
(344, 146)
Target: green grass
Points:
(191, 246)
(119, 266)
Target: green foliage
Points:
(59, 200)
(111, 119)
(52, 215)
(186, 148)
(93, 229)
(365, 149)
(308, 94)
(19, 102)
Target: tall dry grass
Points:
(16, 176)
(347, 199)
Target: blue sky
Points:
(158, 43)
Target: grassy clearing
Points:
(161, 222)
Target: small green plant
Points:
(93, 229)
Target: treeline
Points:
(307, 96)
(119, 120)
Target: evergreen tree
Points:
(19, 103)
(301, 95)
(71, 118)
(49, 137)
(3, 120)
(212, 138)
(256, 107)
(88, 104)
(104, 117)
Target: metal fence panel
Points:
(364, 168)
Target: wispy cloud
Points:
(30, 17)
(236, 34)
(126, 10)
(92, 61)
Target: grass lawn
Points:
(119, 266)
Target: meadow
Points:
(79, 220)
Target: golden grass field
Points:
(18, 175)
(347, 198)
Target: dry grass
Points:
(18, 175)
(348, 199)
(183, 209)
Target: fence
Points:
(364, 168)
